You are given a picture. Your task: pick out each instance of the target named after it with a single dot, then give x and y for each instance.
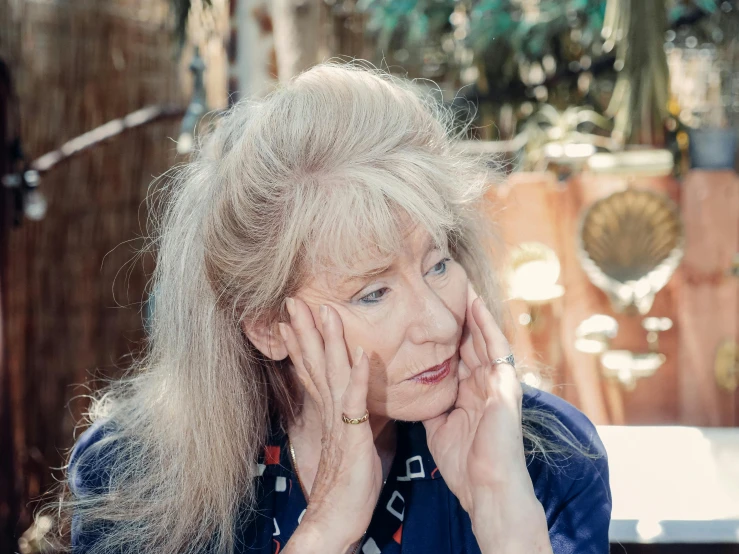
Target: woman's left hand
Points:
(478, 445)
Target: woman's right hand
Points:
(349, 477)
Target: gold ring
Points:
(355, 420)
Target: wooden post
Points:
(297, 23)
(251, 53)
(12, 432)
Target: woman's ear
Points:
(267, 339)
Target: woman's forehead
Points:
(369, 262)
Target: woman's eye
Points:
(441, 266)
(371, 298)
(375, 297)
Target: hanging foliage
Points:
(517, 55)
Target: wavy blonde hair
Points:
(281, 188)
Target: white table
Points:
(673, 484)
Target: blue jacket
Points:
(416, 512)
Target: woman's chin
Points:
(432, 402)
(432, 411)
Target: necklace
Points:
(305, 492)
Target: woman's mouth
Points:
(435, 374)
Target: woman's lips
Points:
(434, 375)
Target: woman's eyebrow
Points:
(372, 272)
(381, 270)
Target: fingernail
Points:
(358, 354)
(290, 306)
(283, 332)
(324, 313)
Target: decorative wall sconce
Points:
(654, 326)
(629, 245)
(627, 366)
(594, 334)
(726, 365)
(734, 269)
(534, 270)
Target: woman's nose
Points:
(431, 319)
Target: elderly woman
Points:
(322, 376)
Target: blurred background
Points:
(613, 123)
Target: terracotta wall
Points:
(702, 298)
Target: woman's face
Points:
(407, 320)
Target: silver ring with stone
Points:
(507, 360)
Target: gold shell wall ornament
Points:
(629, 245)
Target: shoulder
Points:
(92, 456)
(561, 414)
(571, 484)
(570, 446)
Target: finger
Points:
(463, 370)
(338, 367)
(310, 342)
(478, 340)
(293, 350)
(503, 379)
(354, 399)
(466, 343)
(467, 351)
(496, 344)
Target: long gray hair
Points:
(281, 188)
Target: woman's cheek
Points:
(457, 292)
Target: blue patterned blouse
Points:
(416, 512)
